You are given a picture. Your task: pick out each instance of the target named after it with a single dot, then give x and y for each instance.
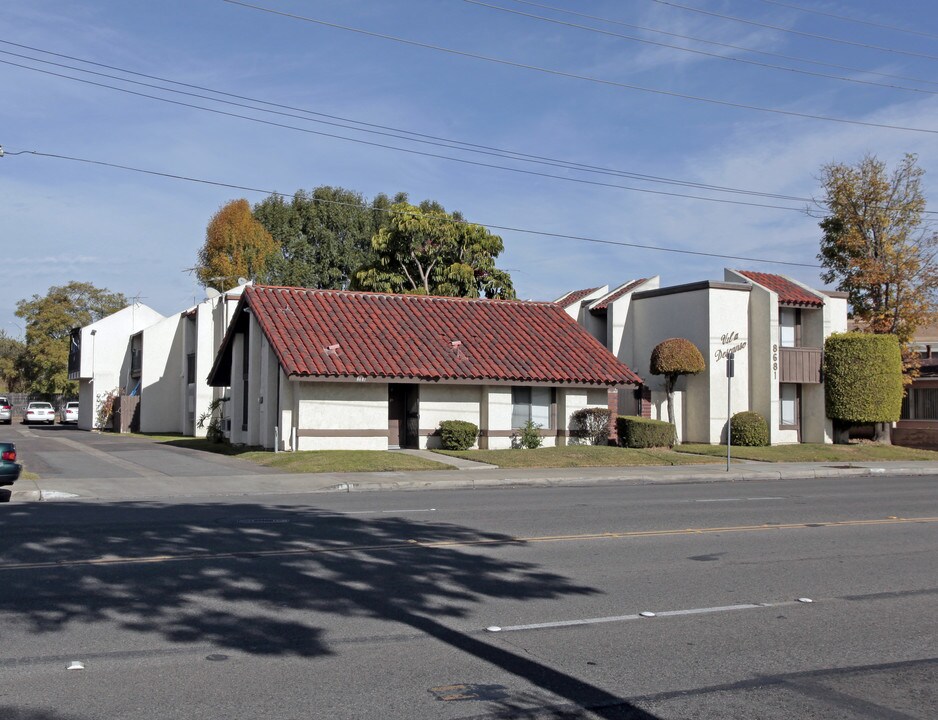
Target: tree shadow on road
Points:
(255, 578)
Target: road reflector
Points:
(646, 613)
(75, 665)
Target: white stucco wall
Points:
(447, 402)
(336, 406)
(104, 354)
(162, 380)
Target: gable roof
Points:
(602, 303)
(339, 334)
(789, 293)
(572, 298)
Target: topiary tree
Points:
(862, 382)
(672, 358)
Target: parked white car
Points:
(69, 413)
(6, 411)
(39, 412)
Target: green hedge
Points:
(862, 377)
(590, 426)
(458, 434)
(637, 432)
(749, 429)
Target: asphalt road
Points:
(377, 605)
(62, 452)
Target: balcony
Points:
(799, 365)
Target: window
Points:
(190, 368)
(531, 403)
(788, 322)
(788, 404)
(920, 404)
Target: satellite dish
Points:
(242, 281)
(211, 293)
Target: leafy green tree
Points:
(862, 382)
(12, 356)
(236, 245)
(877, 245)
(672, 358)
(49, 321)
(324, 236)
(425, 250)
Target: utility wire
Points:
(851, 19)
(814, 36)
(403, 134)
(373, 207)
(575, 76)
(729, 46)
(608, 33)
(421, 153)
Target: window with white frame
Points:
(788, 404)
(787, 327)
(530, 403)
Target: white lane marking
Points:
(375, 512)
(637, 616)
(738, 499)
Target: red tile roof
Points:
(616, 294)
(571, 298)
(789, 293)
(334, 333)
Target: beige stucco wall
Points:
(336, 406)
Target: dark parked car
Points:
(9, 468)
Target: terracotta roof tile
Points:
(412, 336)
(789, 293)
(603, 302)
(572, 298)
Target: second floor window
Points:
(788, 327)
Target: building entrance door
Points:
(403, 415)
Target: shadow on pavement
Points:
(246, 577)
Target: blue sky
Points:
(137, 233)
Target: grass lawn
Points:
(813, 452)
(579, 456)
(322, 461)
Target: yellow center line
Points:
(411, 544)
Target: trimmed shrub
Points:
(862, 377)
(458, 434)
(590, 426)
(676, 356)
(528, 437)
(749, 429)
(637, 432)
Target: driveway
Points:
(65, 452)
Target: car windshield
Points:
(40, 406)
(72, 406)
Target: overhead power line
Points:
(884, 26)
(576, 76)
(729, 46)
(814, 36)
(493, 226)
(704, 53)
(377, 129)
(421, 153)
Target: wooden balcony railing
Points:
(799, 365)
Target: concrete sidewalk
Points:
(162, 488)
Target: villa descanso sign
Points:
(731, 344)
